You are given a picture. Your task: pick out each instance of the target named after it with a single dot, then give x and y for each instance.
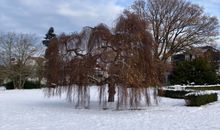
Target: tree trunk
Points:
(20, 83)
(39, 80)
(111, 92)
(15, 84)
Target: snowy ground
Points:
(30, 110)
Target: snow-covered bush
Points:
(2, 88)
(176, 87)
(199, 98)
(173, 93)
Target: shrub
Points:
(200, 71)
(9, 85)
(32, 85)
(199, 98)
(204, 88)
(172, 93)
(27, 85)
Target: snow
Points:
(31, 110)
(186, 90)
(179, 87)
(198, 93)
(215, 85)
(2, 88)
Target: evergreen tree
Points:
(199, 71)
(50, 34)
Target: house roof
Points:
(209, 48)
(211, 52)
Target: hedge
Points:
(172, 93)
(204, 88)
(199, 98)
(27, 85)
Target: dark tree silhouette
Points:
(50, 34)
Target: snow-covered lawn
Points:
(30, 110)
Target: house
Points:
(206, 51)
(38, 64)
(209, 52)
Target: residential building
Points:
(209, 52)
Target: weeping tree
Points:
(119, 59)
(135, 60)
(126, 55)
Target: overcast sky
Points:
(36, 16)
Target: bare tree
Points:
(15, 51)
(39, 68)
(176, 25)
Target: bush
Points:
(9, 85)
(32, 85)
(171, 93)
(200, 98)
(200, 71)
(204, 88)
(27, 85)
